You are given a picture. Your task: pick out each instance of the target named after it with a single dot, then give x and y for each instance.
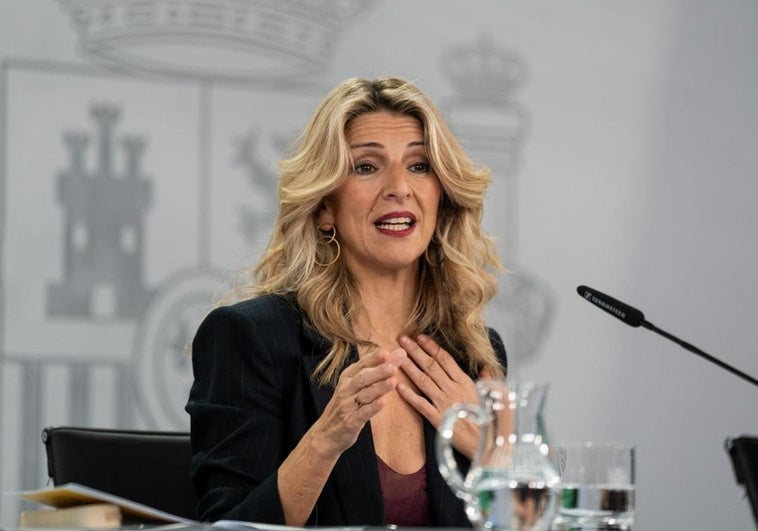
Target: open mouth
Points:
(396, 222)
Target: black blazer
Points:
(253, 399)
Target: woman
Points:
(316, 398)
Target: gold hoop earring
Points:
(441, 256)
(326, 239)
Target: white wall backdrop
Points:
(136, 172)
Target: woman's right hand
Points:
(359, 395)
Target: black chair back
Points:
(149, 467)
(743, 451)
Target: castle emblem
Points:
(104, 212)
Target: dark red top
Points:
(406, 502)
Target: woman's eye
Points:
(420, 167)
(364, 168)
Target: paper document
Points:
(73, 494)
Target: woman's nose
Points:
(397, 185)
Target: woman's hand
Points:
(359, 395)
(441, 383)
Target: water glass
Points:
(597, 485)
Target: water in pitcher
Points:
(506, 503)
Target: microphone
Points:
(633, 317)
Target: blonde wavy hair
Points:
(456, 278)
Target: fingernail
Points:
(422, 337)
(405, 339)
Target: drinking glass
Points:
(597, 485)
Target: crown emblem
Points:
(282, 41)
(483, 72)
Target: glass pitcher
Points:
(511, 484)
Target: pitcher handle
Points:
(445, 458)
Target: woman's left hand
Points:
(442, 383)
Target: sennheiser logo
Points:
(604, 305)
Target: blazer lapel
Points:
(355, 475)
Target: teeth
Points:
(395, 224)
(406, 221)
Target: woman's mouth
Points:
(396, 223)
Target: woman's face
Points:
(386, 211)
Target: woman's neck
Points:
(387, 305)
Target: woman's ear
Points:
(325, 216)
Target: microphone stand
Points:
(695, 350)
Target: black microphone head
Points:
(631, 316)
